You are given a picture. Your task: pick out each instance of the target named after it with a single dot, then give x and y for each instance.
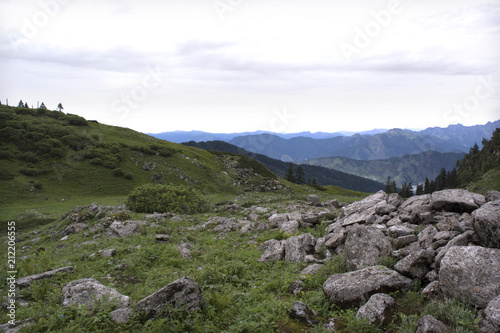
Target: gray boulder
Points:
(400, 231)
(297, 247)
(290, 227)
(311, 270)
(303, 313)
(460, 240)
(491, 317)
(122, 229)
(492, 196)
(314, 200)
(426, 237)
(456, 200)
(74, 228)
(429, 324)
(378, 310)
(395, 199)
(121, 316)
(486, 222)
(336, 238)
(86, 291)
(274, 250)
(416, 264)
(183, 293)
(355, 288)
(471, 274)
(364, 245)
(402, 241)
(362, 211)
(416, 209)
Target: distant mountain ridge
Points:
(369, 145)
(405, 169)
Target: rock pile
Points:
(449, 240)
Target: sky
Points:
(244, 65)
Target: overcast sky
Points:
(245, 65)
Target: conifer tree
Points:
(289, 173)
(300, 176)
(60, 107)
(21, 104)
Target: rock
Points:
(74, 228)
(400, 231)
(403, 241)
(395, 199)
(276, 220)
(362, 211)
(383, 208)
(355, 288)
(416, 209)
(429, 324)
(314, 200)
(416, 265)
(121, 316)
(332, 204)
(491, 317)
(471, 274)
(303, 313)
(297, 247)
(364, 245)
(123, 229)
(107, 253)
(378, 310)
(184, 249)
(330, 325)
(27, 280)
(311, 217)
(432, 290)
(492, 196)
(148, 166)
(456, 200)
(296, 287)
(18, 325)
(337, 238)
(290, 227)
(311, 270)
(426, 236)
(247, 227)
(486, 222)
(226, 225)
(183, 293)
(161, 238)
(460, 240)
(86, 291)
(274, 250)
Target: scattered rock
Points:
(274, 250)
(86, 291)
(429, 324)
(492, 196)
(355, 288)
(471, 274)
(378, 310)
(183, 293)
(121, 316)
(122, 229)
(416, 264)
(184, 249)
(107, 253)
(27, 280)
(290, 227)
(74, 228)
(456, 200)
(303, 313)
(314, 200)
(311, 270)
(491, 317)
(297, 247)
(161, 238)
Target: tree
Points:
(300, 176)
(42, 106)
(289, 173)
(390, 186)
(21, 104)
(26, 105)
(60, 107)
(420, 189)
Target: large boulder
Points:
(274, 250)
(456, 200)
(355, 288)
(362, 211)
(471, 274)
(416, 209)
(378, 310)
(297, 247)
(416, 264)
(486, 222)
(364, 245)
(183, 293)
(86, 291)
(429, 324)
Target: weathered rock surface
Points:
(314, 200)
(27, 280)
(183, 293)
(355, 288)
(364, 245)
(362, 211)
(123, 229)
(297, 247)
(471, 274)
(429, 324)
(274, 250)
(74, 228)
(290, 227)
(486, 222)
(122, 315)
(491, 317)
(378, 310)
(303, 313)
(492, 196)
(416, 264)
(456, 200)
(86, 291)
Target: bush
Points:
(166, 198)
(73, 119)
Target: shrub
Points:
(118, 172)
(73, 119)
(32, 172)
(166, 198)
